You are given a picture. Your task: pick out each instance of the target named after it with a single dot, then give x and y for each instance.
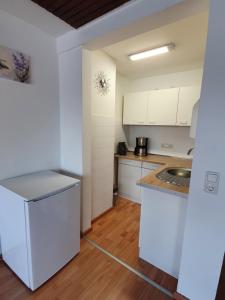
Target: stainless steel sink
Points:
(185, 173)
(176, 176)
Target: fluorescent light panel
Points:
(152, 52)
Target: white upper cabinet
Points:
(168, 107)
(162, 107)
(188, 96)
(135, 108)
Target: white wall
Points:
(193, 77)
(204, 238)
(35, 15)
(103, 118)
(122, 85)
(177, 136)
(29, 114)
(86, 199)
(97, 136)
(74, 125)
(70, 75)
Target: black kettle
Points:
(122, 148)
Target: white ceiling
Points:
(35, 15)
(189, 36)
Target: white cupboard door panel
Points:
(188, 96)
(134, 109)
(53, 226)
(161, 229)
(162, 107)
(13, 233)
(127, 179)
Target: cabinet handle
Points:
(151, 123)
(183, 123)
(141, 122)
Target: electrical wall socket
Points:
(167, 146)
(212, 182)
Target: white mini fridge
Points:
(39, 224)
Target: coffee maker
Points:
(141, 148)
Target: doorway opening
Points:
(152, 98)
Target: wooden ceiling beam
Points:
(70, 6)
(82, 19)
(86, 8)
(79, 12)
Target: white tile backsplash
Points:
(158, 135)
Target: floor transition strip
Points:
(139, 274)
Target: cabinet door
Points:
(188, 96)
(55, 219)
(127, 181)
(161, 229)
(134, 109)
(162, 107)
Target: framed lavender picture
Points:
(14, 65)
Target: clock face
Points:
(102, 83)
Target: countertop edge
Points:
(164, 161)
(163, 190)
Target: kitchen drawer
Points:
(130, 162)
(150, 166)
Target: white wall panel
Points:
(204, 238)
(71, 110)
(29, 113)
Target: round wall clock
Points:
(102, 83)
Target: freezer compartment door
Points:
(53, 226)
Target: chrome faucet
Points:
(189, 151)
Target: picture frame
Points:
(14, 65)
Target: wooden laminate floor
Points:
(92, 275)
(118, 233)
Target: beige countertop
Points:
(151, 181)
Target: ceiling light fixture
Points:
(151, 52)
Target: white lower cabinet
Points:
(130, 171)
(161, 229)
(129, 174)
